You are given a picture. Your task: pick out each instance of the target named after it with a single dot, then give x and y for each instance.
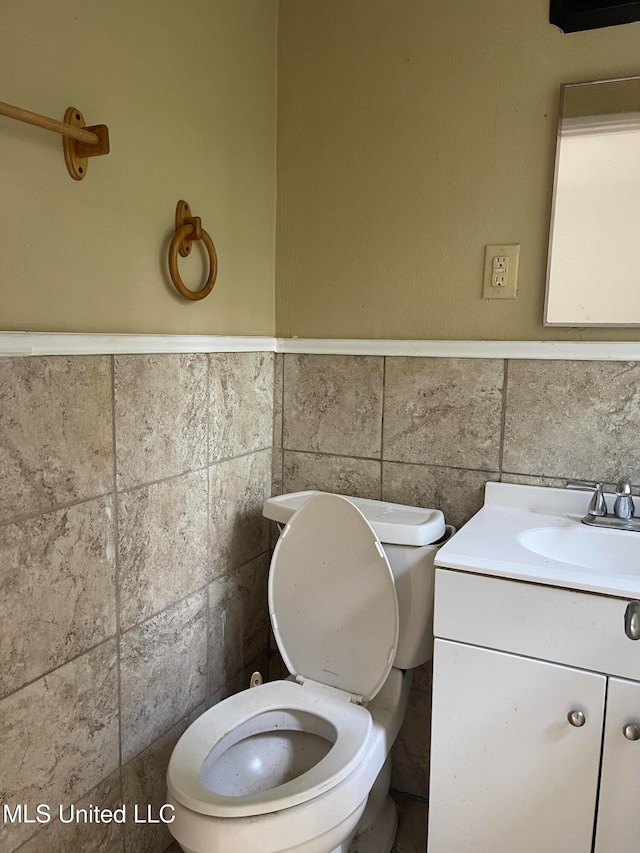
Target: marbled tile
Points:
(57, 837)
(277, 457)
(278, 392)
(238, 621)
(59, 736)
(144, 784)
(57, 589)
(242, 680)
(339, 474)
(161, 416)
(56, 443)
(240, 403)
(238, 489)
(162, 532)
(443, 411)
(573, 419)
(333, 404)
(410, 752)
(163, 672)
(457, 492)
(412, 824)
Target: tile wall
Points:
(133, 566)
(433, 431)
(134, 557)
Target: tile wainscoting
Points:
(133, 567)
(134, 557)
(431, 431)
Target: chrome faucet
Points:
(623, 517)
(623, 507)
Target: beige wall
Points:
(410, 134)
(188, 92)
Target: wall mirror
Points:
(593, 270)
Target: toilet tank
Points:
(411, 537)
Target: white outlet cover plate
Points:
(508, 290)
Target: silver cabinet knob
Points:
(576, 718)
(632, 620)
(631, 731)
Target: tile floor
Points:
(412, 827)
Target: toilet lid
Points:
(332, 598)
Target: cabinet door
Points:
(618, 824)
(508, 771)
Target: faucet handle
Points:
(623, 507)
(598, 504)
(623, 488)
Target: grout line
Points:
(208, 409)
(274, 409)
(230, 572)
(185, 718)
(281, 442)
(192, 470)
(208, 696)
(116, 533)
(208, 533)
(240, 455)
(284, 379)
(49, 672)
(18, 519)
(337, 455)
(384, 388)
(120, 633)
(396, 461)
(154, 615)
(529, 474)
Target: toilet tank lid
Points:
(393, 524)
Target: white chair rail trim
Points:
(16, 344)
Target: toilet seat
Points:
(333, 603)
(268, 708)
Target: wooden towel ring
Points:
(188, 229)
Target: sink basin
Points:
(599, 550)
(535, 534)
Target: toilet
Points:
(303, 765)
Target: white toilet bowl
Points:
(288, 767)
(316, 811)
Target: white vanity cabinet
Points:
(510, 773)
(618, 819)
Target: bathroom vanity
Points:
(536, 702)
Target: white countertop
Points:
(491, 543)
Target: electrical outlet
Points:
(500, 271)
